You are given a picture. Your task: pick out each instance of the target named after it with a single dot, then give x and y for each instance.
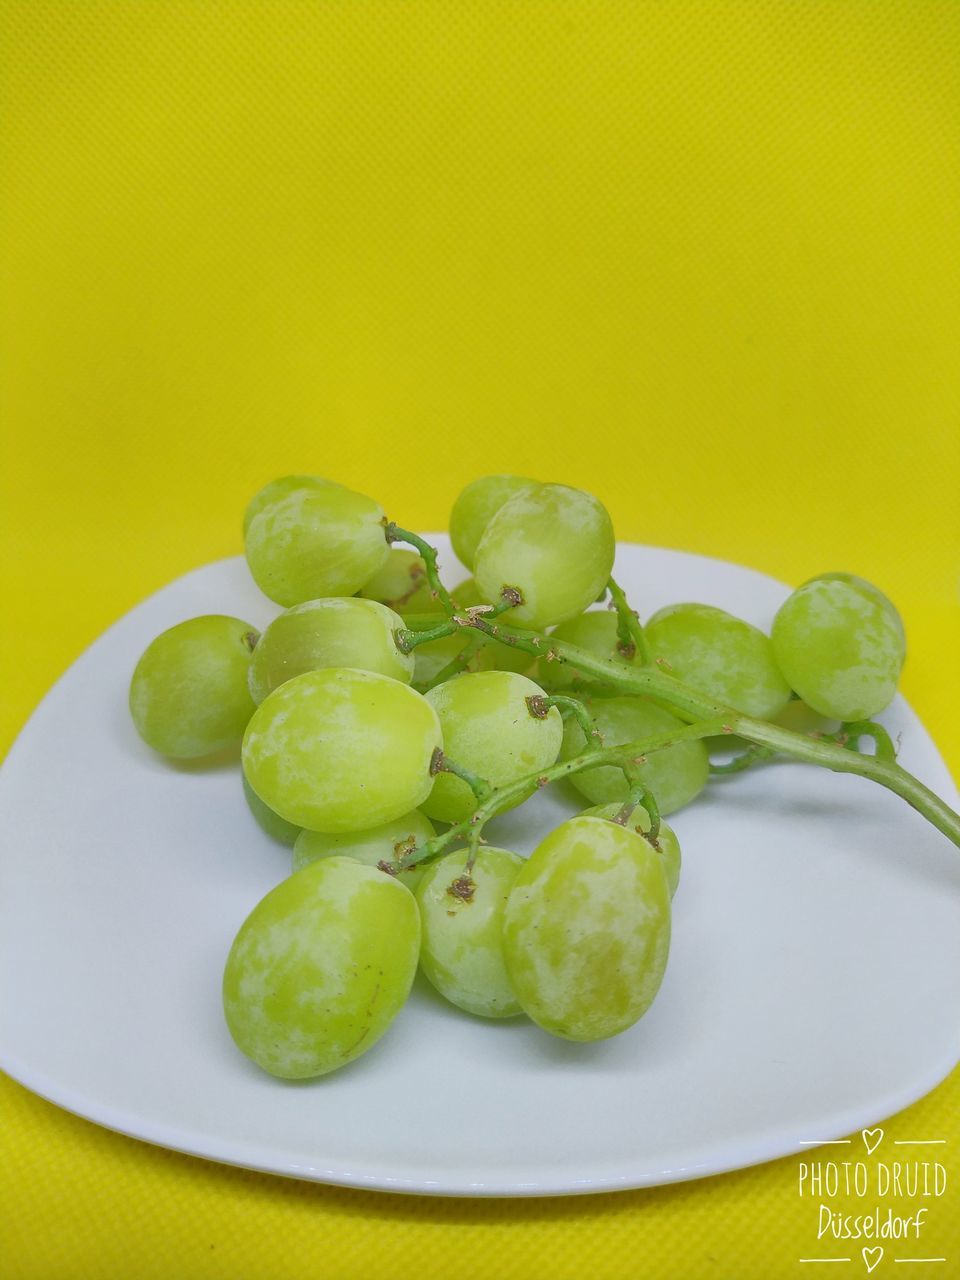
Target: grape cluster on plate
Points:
(380, 703)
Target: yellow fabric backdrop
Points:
(701, 258)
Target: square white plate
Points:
(813, 986)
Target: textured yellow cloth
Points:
(700, 258)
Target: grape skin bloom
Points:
(675, 775)
(556, 545)
(587, 930)
(338, 632)
(316, 541)
(320, 968)
(380, 844)
(839, 642)
(722, 656)
(639, 821)
(489, 729)
(461, 951)
(188, 694)
(475, 507)
(341, 750)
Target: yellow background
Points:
(700, 258)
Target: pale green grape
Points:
(339, 632)
(430, 659)
(401, 583)
(722, 656)
(668, 846)
(316, 541)
(461, 951)
(489, 729)
(839, 642)
(277, 828)
(587, 930)
(675, 775)
(596, 632)
(280, 488)
(320, 968)
(475, 507)
(386, 843)
(189, 695)
(341, 750)
(554, 544)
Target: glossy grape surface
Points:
(639, 821)
(315, 541)
(320, 968)
(587, 930)
(554, 544)
(338, 632)
(488, 728)
(189, 694)
(721, 656)
(839, 642)
(475, 507)
(461, 951)
(675, 775)
(341, 750)
(281, 488)
(385, 843)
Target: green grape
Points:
(189, 695)
(280, 488)
(277, 828)
(475, 507)
(493, 656)
(461, 951)
(555, 545)
(340, 632)
(385, 843)
(429, 659)
(675, 775)
(320, 968)
(315, 541)
(596, 632)
(668, 846)
(587, 930)
(722, 656)
(839, 642)
(489, 729)
(341, 750)
(401, 582)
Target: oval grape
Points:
(320, 968)
(489, 728)
(338, 632)
(555, 545)
(667, 846)
(188, 695)
(475, 507)
(587, 930)
(341, 750)
(461, 951)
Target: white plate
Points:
(813, 986)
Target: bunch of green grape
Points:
(383, 717)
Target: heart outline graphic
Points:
(872, 1257)
(871, 1139)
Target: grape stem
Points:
(631, 641)
(393, 533)
(501, 798)
(641, 795)
(441, 763)
(540, 704)
(690, 705)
